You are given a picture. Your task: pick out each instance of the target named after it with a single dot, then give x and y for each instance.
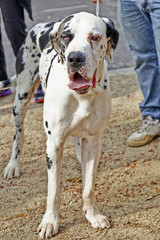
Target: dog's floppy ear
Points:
(54, 37)
(112, 37)
(55, 41)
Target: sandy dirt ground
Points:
(127, 183)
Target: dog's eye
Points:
(64, 37)
(95, 38)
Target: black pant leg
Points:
(13, 17)
(3, 73)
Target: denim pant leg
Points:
(138, 31)
(154, 11)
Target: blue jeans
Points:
(140, 22)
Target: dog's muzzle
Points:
(76, 60)
(77, 73)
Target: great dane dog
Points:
(68, 58)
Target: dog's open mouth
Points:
(81, 85)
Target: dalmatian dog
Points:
(68, 59)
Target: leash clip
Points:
(97, 8)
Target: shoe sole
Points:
(141, 142)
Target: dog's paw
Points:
(11, 171)
(48, 227)
(97, 219)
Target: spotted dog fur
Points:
(68, 58)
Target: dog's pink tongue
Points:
(79, 82)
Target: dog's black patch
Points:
(50, 24)
(20, 65)
(14, 137)
(18, 152)
(23, 96)
(49, 50)
(66, 27)
(46, 124)
(67, 19)
(44, 38)
(49, 132)
(33, 36)
(49, 162)
(14, 112)
(112, 33)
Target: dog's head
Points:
(82, 40)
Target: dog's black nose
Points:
(76, 59)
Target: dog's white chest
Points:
(86, 120)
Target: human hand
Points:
(95, 1)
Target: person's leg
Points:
(154, 11)
(3, 71)
(138, 31)
(13, 17)
(152, 106)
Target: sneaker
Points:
(39, 96)
(6, 92)
(149, 129)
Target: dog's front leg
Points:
(91, 150)
(50, 223)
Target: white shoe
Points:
(149, 129)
